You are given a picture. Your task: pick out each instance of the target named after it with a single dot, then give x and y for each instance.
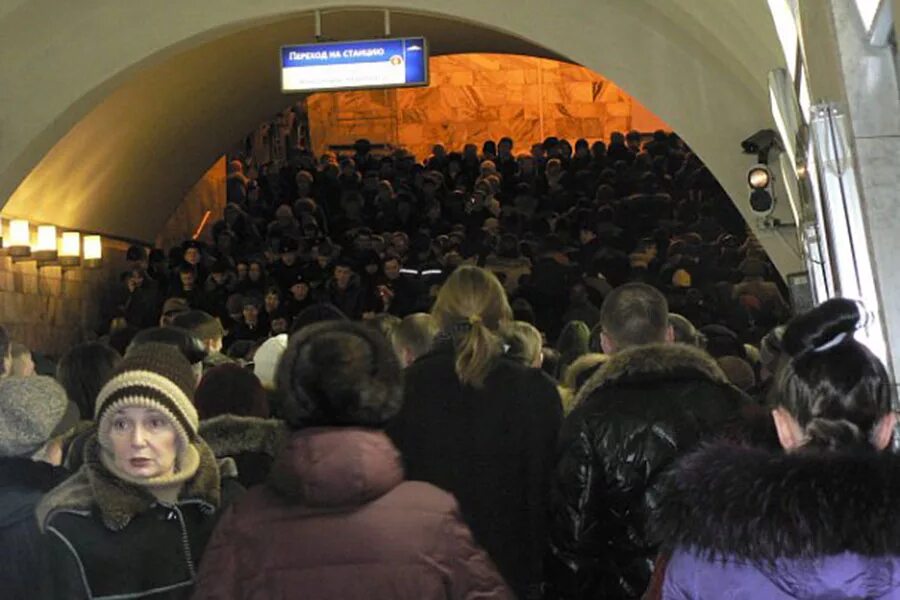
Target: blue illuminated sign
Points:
(401, 62)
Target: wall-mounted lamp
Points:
(93, 251)
(70, 249)
(45, 247)
(19, 239)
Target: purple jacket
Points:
(749, 523)
(336, 520)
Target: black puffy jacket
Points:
(643, 409)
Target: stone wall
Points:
(475, 97)
(208, 194)
(50, 309)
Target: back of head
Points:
(339, 373)
(385, 323)
(684, 330)
(738, 371)
(83, 370)
(573, 341)
(200, 323)
(635, 314)
(471, 307)
(317, 313)
(415, 334)
(834, 386)
(233, 390)
(183, 340)
(524, 341)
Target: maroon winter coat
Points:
(337, 520)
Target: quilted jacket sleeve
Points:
(469, 572)
(220, 571)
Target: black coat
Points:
(492, 448)
(644, 408)
(106, 537)
(22, 483)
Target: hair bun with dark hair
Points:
(824, 327)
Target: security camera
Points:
(760, 143)
(762, 200)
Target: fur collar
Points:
(118, 501)
(654, 361)
(229, 435)
(727, 499)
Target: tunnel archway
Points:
(152, 100)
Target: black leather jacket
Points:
(633, 418)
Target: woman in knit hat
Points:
(336, 518)
(135, 518)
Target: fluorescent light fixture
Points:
(70, 249)
(93, 250)
(786, 28)
(45, 246)
(19, 238)
(844, 226)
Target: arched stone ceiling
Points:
(113, 110)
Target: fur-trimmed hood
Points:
(730, 500)
(230, 435)
(118, 501)
(654, 361)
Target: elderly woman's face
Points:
(144, 442)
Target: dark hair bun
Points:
(821, 326)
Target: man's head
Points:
(137, 257)
(192, 253)
(342, 274)
(300, 289)
(250, 309)
(22, 364)
(207, 328)
(391, 267)
(187, 275)
(413, 337)
(634, 314)
(172, 307)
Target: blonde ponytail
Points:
(476, 352)
(472, 306)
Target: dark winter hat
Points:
(230, 389)
(340, 373)
(721, 341)
(156, 376)
(200, 323)
(33, 410)
(188, 344)
(175, 305)
(135, 253)
(317, 313)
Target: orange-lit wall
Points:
(475, 97)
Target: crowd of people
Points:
(566, 374)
